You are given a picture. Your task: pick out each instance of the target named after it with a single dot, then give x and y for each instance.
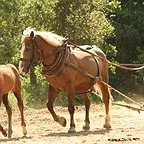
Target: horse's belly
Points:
(84, 87)
(80, 86)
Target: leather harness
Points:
(58, 65)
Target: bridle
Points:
(33, 47)
(57, 65)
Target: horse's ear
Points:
(32, 34)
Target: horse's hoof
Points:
(10, 133)
(72, 130)
(107, 126)
(86, 128)
(4, 133)
(24, 131)
(62, 121)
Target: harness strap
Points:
(96, 60)
(57, 67)
(83, 72)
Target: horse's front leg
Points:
(52, 94)
(71, 109)
(9, 112)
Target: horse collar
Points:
(58, 65)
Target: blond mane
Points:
(52, 38)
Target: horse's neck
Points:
(48, 56)
(47, 53)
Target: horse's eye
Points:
(30, 46)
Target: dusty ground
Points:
(127, 127)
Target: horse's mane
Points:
(50, 37)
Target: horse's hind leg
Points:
(1, 128)
(9, 112)
(87, 106)
(21, 109)
(106, 99)
(52, 94)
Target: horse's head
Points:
(27, 50)
(44, 46)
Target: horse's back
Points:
(91, 48)
(86, 60)
(9, 77)
(97, 65)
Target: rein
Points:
(122, 66)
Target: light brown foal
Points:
(10, 81)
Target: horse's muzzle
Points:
(23, 69)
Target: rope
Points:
(130, 99)
(132, 65)
(129, 107)
(123, 105)
(117, 65)
(125, 67)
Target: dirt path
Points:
(127, 127)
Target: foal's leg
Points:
(21, 109)
(1, 128)
(52, 94)
(106, 99)
(87, 106)
(9, 112)
(3, 131)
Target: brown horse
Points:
(71, 71)
(10, 81)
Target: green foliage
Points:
(36, 94)
(8, 30)
(37, 14)
(61, 100)
(83, 21)
(129, 30)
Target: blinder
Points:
(32, 46)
